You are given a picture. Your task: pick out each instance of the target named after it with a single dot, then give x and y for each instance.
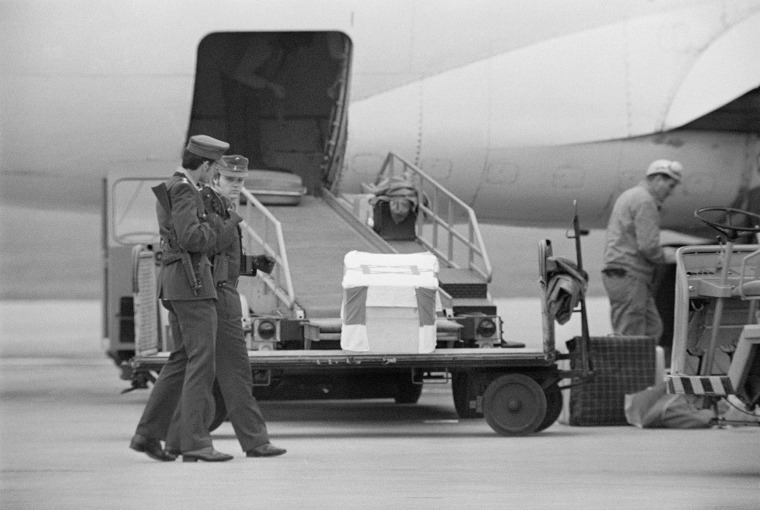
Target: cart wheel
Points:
(407, 391)
(220, 412)
(464, 389)
(553, 406)
(514, 404)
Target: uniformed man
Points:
(233, 370)
(187, 290)
(229, 181)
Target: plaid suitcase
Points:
(621, 364)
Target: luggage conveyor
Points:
(319, 233)
(317, 240)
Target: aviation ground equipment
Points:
(294, 325)
(716, 333)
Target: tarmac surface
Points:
(65, 430)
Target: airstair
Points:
(309, 241)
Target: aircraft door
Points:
(278, 98)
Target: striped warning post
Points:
(700, 385)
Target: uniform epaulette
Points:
(184, 180)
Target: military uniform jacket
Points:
(187, 228)
(228, 249)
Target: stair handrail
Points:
(286, 295)
(428, 207)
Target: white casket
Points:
(389, 302)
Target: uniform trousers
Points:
(633, 311)
(233, 372)
(186, 381)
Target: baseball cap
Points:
(671, 168)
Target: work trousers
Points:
(233, 372)
(186, 381)
(633, 311)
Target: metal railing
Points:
(262, 231)
(439, 209)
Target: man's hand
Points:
(264, 263)
(670, 254)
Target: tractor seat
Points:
(748, 288)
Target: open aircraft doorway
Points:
(278, 98)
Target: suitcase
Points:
(621, 365)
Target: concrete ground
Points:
(65, 429)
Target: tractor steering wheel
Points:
(724, 226)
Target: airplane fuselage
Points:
(518, 109)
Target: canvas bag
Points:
(655, 408)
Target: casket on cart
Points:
(389, 302)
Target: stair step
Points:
(465, 291)
(462, 283)
(469, 306)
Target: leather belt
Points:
(615, 271)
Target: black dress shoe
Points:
(150, 447)
(265, 450)
(206, 455)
